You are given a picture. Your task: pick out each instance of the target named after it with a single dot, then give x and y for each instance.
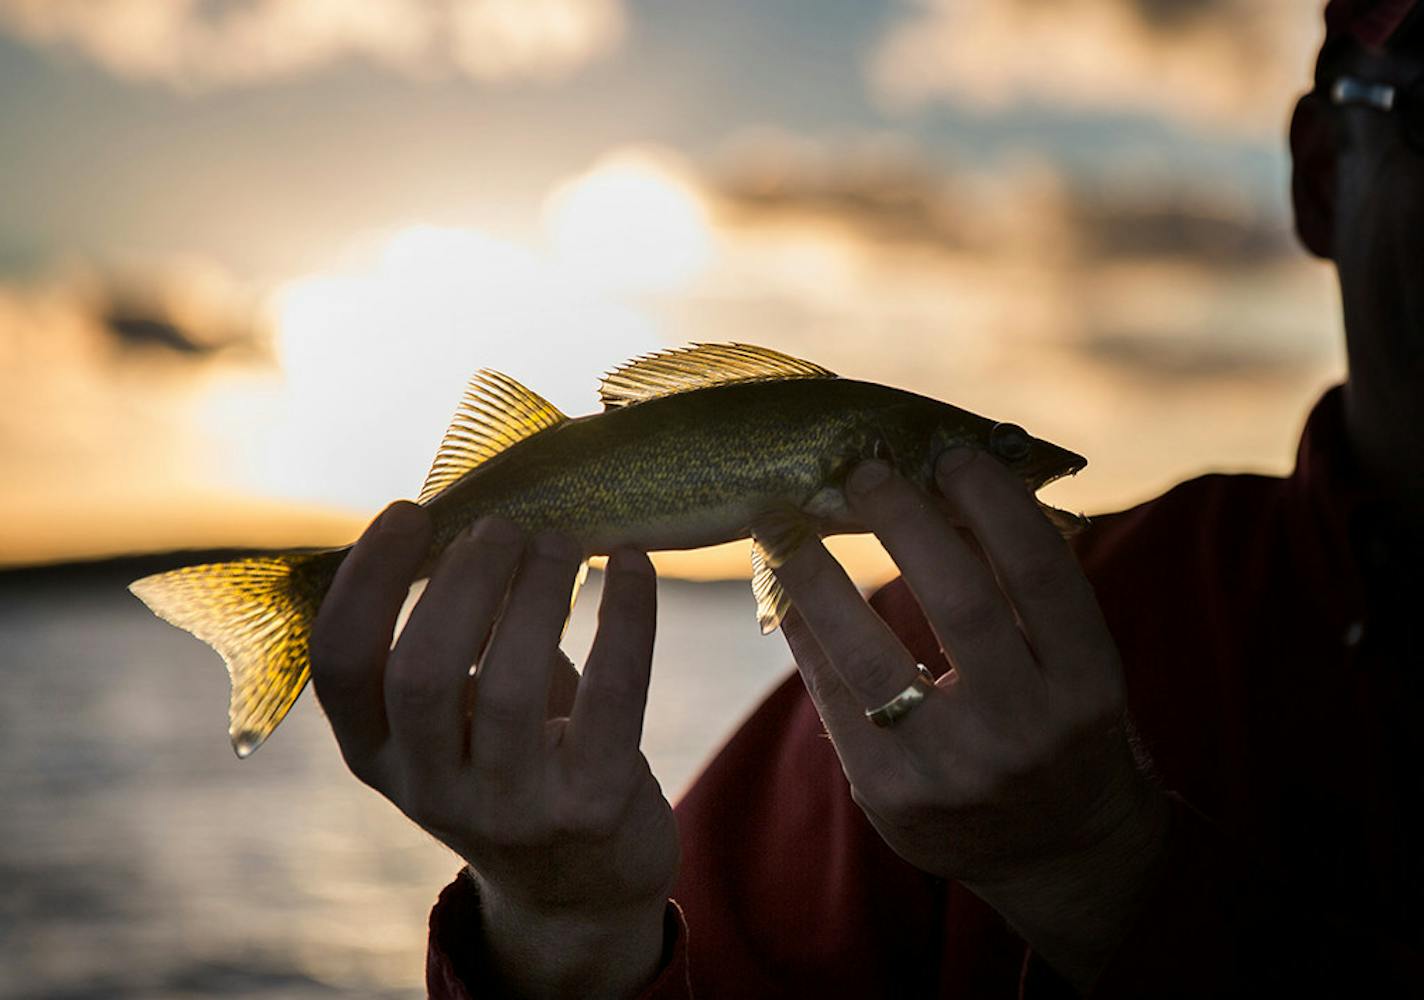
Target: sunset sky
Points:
(250, 251)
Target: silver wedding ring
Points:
(903, 703)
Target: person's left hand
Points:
(1015, 775)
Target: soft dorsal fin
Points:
(698, 367)
(495, 413)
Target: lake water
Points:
(140, 858)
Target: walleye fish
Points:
(694, 447)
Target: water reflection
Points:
(142, 859)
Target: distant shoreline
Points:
(126, 568)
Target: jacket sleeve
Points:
(456, 967)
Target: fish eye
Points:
(881, 450)
(1010, 442)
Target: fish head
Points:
(1036, 461)
(910, 432)
(926, 428)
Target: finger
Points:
(351, 637)
(563, 687)
(1032, 562)
(866, 655)
(607, 722)
(429, 670)
(842, 714)
(959, 595)
(512, 686)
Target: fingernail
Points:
(401, 518)
(499, 530)
(868, 475)
(952, 461)
(555, 545)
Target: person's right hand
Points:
(535, 778)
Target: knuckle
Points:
(419, 643)
(413, 693)
(410, 688)
(970, 616)
(499, 707)
(492, 773)
(877, 670)
(822, 682)
(1042, 576)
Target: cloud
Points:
(1159, 331)
(887, 190)
(1159, 324)
(1227, 63)
(194, 45)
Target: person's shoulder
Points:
(1210, 511)
(783, 734)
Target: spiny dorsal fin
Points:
(698, 367)
(495, 413)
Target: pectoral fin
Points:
(774, 539)
(772, 602)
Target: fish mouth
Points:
(1053, 464)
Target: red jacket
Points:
(1270, 633)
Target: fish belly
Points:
(710, 525)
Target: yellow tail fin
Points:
(257, 612)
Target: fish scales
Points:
(688, 470)
(695, 446)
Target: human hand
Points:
(1015, 775)
(530, 773)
